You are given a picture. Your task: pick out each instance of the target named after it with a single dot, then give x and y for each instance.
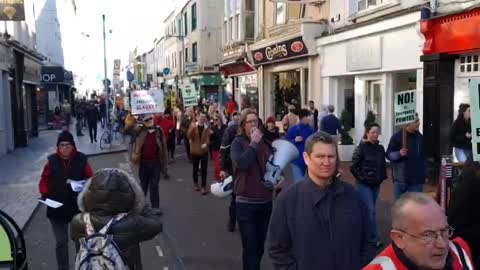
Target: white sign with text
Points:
(147, 101)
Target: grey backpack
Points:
(98, 251)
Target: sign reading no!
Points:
(405, 107)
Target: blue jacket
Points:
(331, 124)
(320, 228)
(411, 169)
(305, 131)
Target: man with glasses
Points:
(67, 164)
(421, 238)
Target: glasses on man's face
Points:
(65, 145)
(252, 122)
(430, 236)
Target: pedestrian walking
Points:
(321, 221)
(226, 165)
(187, 121)
(218, 129)
(93, 116)
(249, 153)
(150, 156)
(461, 134)
(164, 121)
(199, 137)
(110, 193)
(297, 135)
(66, 164)
(313, 115)
(103, 112)
(271, 132)
(463, 214)
(370, 170)
(290, 119)
(330, 123)
(407, 159)
(421, 238)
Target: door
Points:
(373, 100)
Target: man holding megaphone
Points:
(250, 153)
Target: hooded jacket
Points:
(109, 193)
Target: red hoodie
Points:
(43, 185)
(165, 124)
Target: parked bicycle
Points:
(111, 137)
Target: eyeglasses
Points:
(431, 236)
(65, 145)
(252, 122)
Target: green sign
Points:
(475, 115)
(189, 94)
(405, 107)
(166, 71)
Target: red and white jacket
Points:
(388, 259)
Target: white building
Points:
(159, 65)
(172, 53)
(373, 51)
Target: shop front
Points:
(451, 58)
(362, 70)
(57, 85)
(210, 86)
(284, 75)
(6, 124)
(35, 113)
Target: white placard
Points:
(51, 203)
(77, 186)
(405, 107)
(147, 101)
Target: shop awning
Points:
(236, 68)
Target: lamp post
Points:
(105, 69)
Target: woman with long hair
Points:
(218, 129)
(369, 168)
(461, 133)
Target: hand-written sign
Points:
(147, 101)
(189, 94)
(405, 107)
(475, 115)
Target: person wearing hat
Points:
(112, 192)
(66, 164)
(150, 156)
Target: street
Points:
(195, 235)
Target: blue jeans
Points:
(253, 222)
(298, 173)
(369, 195)
(400, 187)
(462, 154)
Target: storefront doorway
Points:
(373, 100)
(286, 91)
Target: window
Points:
(186, 55)
(365, 4)
(194, 52)
(194, 17)
(225, 32)
(469, 63)
(180, 32)
(238, 26)
(250, 26)
(232, 29)
(250, 5)
(225, 8)
(235, 29)
(232, 7)
(185, 23)
(174, 61)
(280, 13)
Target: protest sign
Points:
(189, 94)
(147, 101)
(405, 107)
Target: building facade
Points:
(371, 52)
(285, 54)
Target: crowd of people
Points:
(318, 221)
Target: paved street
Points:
(195, 236)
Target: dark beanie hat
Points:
(65, 136)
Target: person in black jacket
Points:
(369, 168)
(66, 164)
(461, 134)
(93, 116)
(463, 214)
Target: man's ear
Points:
(306, 157)
(398, 238)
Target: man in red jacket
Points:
(421, 238)
(66, 164)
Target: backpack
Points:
(98, 250)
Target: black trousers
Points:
(60, 230)
(232, 208)
(171, 145)
(92, 130)
(149, 174)
(187, 147)
(202, 162)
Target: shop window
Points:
(469, 63)
(280, 13)
(286, 90)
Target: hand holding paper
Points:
(77, 186)
(51, 203)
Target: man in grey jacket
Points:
(321, 222)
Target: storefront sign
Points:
(191, 67)
(475, 115)
(32, 71)
(280, 51)
(147, 101)
(405, 107)
(364, 54)
(116, 67)
(189, 94)
(12, 10)
(56, 74)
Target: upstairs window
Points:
(366, 4)
(469, 64)
(194, 17)
(194, 52)
(185, 23)
(280, 13)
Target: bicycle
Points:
(111, 137)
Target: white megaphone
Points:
(223, 188)
(284, 152)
